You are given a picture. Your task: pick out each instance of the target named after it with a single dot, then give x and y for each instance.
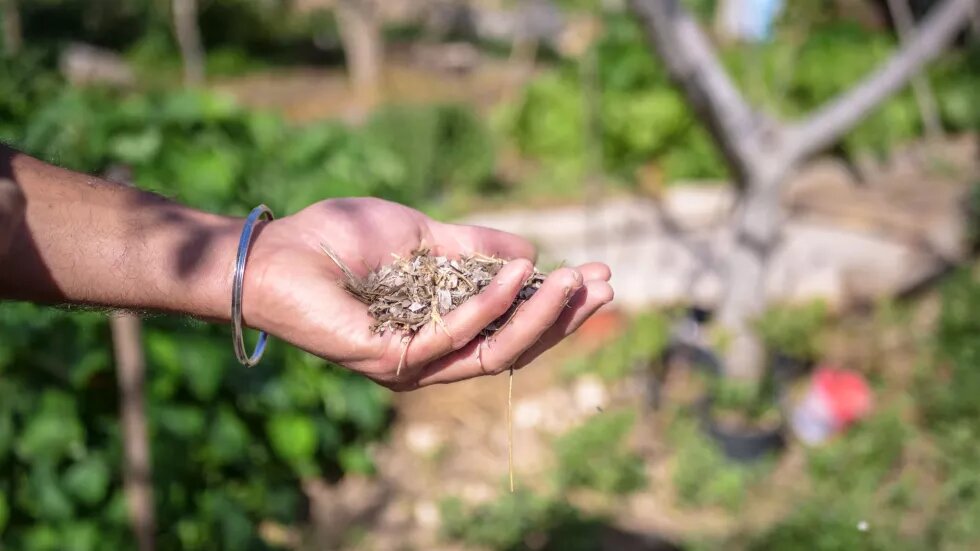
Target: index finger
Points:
(462, 238)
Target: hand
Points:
(292, 291)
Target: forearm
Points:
(84, 240)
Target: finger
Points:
(469, 239)
(584, 303)
(465, 323)
(594, 270)
(529, 323)
(588, 301)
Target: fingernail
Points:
(523, 275)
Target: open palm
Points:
(292, 291)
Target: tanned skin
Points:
(70, 238)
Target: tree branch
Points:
(693, 66)
(830, 122)
(188, 32)
(137, 478)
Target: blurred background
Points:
(587, 126)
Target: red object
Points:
(602, 326)
(846, 394)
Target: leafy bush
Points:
(441, 147)
(642, 342)
(229, 445)
(829, 525)
(949, 392)
(519, 521)
(703, 476)
(643, 119)
(595, 455)
(862, 457)
(793, 330)
(947, 396)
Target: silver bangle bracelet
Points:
(236, 291)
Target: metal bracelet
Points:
(236, 291)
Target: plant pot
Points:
(696, 357)
(743, 444)
(786, 368)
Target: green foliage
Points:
(228, 445)
(643, 119)
(596, 455)
(794, 330)
(643, 341)
(828, 525)
(747, 401)
(947, 396)
(514, 521)
(440, 147)
(703, 476)
(950, 394)
(862, 457)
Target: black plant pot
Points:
(698, 357)
(741, 444)
(786, 369)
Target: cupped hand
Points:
(292, 291)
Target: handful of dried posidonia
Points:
(412, 291)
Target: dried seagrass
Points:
(410, 292)
(413, 291)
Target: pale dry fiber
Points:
(412, 291)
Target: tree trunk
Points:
(13, 40)
(130, 369)
(757, 223)
(189, 40)
(360, 34)
(761, 151)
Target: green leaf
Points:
(228, 437)
(80, 536)
(203, 367)
(88, 480)
(54, 432)
(183, 421)
(293, 437)
(44, 497)
(265, 129)
(4, 512)
(355, 459)
(138, 147)
(42, 537)
(91, 362)
(6, 433)
(206, 174)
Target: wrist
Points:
(197, 278)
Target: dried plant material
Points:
(411, 292)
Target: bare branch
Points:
(841, 114)
(13, 40)
(189, 40)
(137, 481)
(692, 64)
